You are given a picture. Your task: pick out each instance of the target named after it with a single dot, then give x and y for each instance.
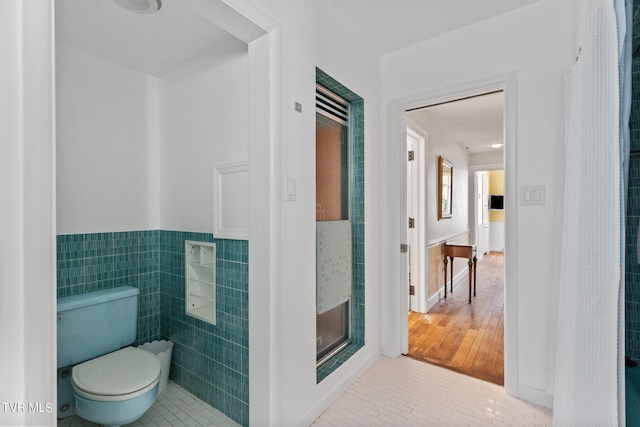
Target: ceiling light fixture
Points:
(141, 6)
(496, 145)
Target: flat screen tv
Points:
(496, 202)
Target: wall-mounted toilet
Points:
(99, 378)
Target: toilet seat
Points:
(121, 375)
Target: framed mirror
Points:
(445, 188)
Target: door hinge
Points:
(412, 290)
(412, 155)
(404, 248)
(412, 223)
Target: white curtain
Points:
(586, 389)
(624, 16)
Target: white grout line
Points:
(404, 391)
(175, 407)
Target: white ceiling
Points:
(153, 44)
(474, 123)
(390, 25)
(157, 43)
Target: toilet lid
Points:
(112, 376)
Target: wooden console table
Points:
(461, 251)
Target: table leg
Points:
(470, 263)
(445, 276)
(475, 271)
(451, 259)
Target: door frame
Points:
(398, 319)
(474, 170)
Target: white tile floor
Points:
(401, 392)
(174, 407)
(406, 392)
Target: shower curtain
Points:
(625, 17)
(586, 389)
(588, 386)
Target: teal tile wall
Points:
(356, 215)
(357, 219)
(632, 268)
(210, 361)
(92, 262)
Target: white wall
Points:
(311, 35)
(27, 215)
(510, 44)
(137, 153)
(487, 158)
(345, 56)
(203, 122)
(107, 117)
(496, 236)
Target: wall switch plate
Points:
(289, 189)
(532, 195)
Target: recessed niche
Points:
(200, 278)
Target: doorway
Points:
(469, 338)
(259, 122)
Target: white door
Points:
(413, 254)
(415, 221)
(482, 212)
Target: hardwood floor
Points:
(467, 338)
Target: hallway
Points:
(467, 338)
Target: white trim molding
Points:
(395, 332)
(231, 201)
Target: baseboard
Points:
(352, 374)
(390, 351)
(535, 396)
(435, 298)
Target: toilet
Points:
(101, 378)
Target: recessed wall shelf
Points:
(200, 280)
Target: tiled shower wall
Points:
(632, 270)
(211, 361)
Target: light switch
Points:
(289, 189)
(532, 195)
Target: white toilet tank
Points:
(95, 323)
